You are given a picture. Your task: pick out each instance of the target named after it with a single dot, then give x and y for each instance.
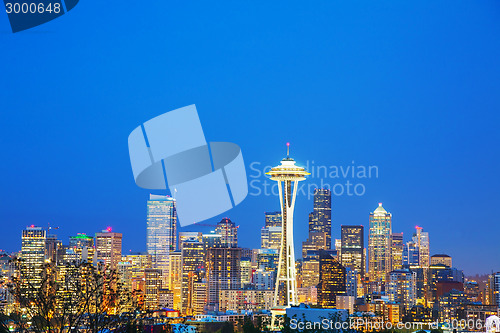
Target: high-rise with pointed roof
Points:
(379, 245)
(228, 231)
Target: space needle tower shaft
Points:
(287, 174)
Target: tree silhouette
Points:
(69, 297)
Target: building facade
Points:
(161, 237)
(379, 245)
(352, 248)
(108, 247)
(332, 280)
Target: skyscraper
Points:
(228, 231)
(493, 289)
(161, 232)
(109, 247)
(402, 287)
(379, 245)
(321, 219)
(246, 271)
(421, 238)
(271, 233)
(223, 272)
(332, 280)
(320, 223)
(83, 246)
(411, 255)
(32, 258)
(53, 247)
(175, 278)
(152, 282)
(352, 248)
(287, 174)
(273, 219)
(193, 264)
(397, 247)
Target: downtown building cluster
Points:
(208, 275)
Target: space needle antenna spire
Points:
(287, 175)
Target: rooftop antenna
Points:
(288, 150)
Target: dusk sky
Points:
(412, 88)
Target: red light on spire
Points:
(109, 229)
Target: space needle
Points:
(287, 174)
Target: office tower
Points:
(310, 271)
(352, 248)
(83, 246)
(397, 247)
(441, 259)
(273, 219)
(193, 262)
(338, 247)
(152, 278)
(139, 261)
(351, 282)
(332, 280)
(441, 273)
(270, 234)
(379, 245)
(161, 238)
(402, 287)
(287, 174)
(165, 299)
(108, 247)
(421, 239)
(316, 241)
(32, 259)
(228, 231)
(211, 240)
(53, 248)
(247, 252)
(198, 289)
(124, 269)
(131, 269)
(263, 279)
(320, 223)
(270, 237)
(411, 255)
(321, 219)
(175, 278)
(495, 287)
(223, 272)
(246, 271)
(185, 235)
(268, 259)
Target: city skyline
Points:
(212, 275)
(373, 83)
(409, 236)
(351, 146)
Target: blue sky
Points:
(410, 87)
